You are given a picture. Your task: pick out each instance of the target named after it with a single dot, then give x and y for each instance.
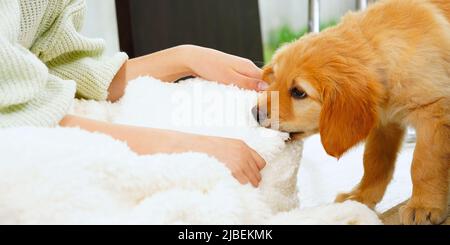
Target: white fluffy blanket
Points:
(69, 176)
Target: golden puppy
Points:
(367, 79)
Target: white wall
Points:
(101, 22)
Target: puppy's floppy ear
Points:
(349, 112)
(268, 74)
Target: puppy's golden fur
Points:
(368, 78)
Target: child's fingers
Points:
(251, 176)
(248, 68)
(241, 177)
(260, 162)
(249, 83)
(256, 175)
(255, 170)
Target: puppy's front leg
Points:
(428, 204)
(380, 155)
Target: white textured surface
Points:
(69, 176)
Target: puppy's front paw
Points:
(413, 214)
(355, 196)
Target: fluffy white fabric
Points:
(69, 176)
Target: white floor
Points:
(322, 177)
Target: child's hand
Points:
(187, 60)
(245, 164)
(217, 66)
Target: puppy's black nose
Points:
(258, 114)
(255, 113)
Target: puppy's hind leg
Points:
(380, 155)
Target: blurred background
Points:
(286, 20)
(251, 28)
(101, 22)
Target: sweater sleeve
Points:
(29, 95)
(71, 56)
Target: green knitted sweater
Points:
(45, 62)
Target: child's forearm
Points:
(141, 140)
(243, 162)
(167, 65)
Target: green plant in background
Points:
(286, 34)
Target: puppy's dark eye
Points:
(298, 94)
